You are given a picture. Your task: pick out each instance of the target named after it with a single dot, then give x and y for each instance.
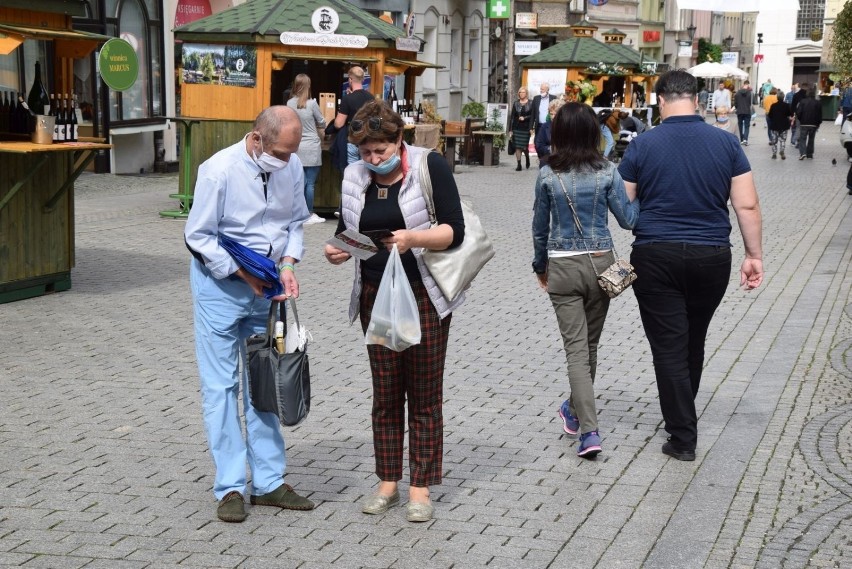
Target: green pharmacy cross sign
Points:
(118, 64)
(498, 9)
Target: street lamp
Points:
(691, 32)
(757, 69)
(728, 42)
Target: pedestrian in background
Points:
(798, 96)
(846, 103)
(684, 172)
(541, 105)
(721, 97)
(809, 115)
(543, 134)
(744, 109)
(770, 99)
(383, 191)
(723, 120)
(253, 193)
(778, 118)
(567, 258)
(703, 96)
(521, 121)
(310, 148)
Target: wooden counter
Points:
(37, 215)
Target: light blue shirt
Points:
(229, 199)
(543, 106)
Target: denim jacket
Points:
(592, 192)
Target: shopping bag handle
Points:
(278, 307)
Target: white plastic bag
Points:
(395, 321)
(839, 120)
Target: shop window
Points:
(139, 23)
(455, 57)
(429, 78)
(811, 15)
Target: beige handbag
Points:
(455, 269)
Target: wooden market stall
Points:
(37, 180)
(276, 40)
(619, 75)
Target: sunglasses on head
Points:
(373, 123)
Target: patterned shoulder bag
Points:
(618, 276)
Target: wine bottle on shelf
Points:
(420, 111)
(13, 113)
(60, 120)
(392, 98)
(72, 124)
(4, 113)
(38, 100)
(53, 113)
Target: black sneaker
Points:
(774, 156)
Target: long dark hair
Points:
(575, 138)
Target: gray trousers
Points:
(581, 308)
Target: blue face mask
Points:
(385, 167)
(722, 118)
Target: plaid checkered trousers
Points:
(418, 375)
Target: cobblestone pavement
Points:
(104, 461)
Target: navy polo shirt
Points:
(683, 170)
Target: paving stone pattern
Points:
(104, 461)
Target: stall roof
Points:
(69, 7)
(582, 51)
(265, 20)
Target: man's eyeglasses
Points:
(373, 123)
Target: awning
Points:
(69, 43)
(414, 63)
(416, 67)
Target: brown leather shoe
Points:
(232, 508)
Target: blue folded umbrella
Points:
(256, 264)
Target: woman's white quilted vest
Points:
(355, 181)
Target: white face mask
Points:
(267, 162)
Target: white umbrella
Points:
(709, 70)
(734, 71)
(738, 5)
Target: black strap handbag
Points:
(279, 383)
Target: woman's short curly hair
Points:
(361, 128)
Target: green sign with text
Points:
(118, 64)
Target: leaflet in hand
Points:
(356, 244)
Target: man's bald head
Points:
(275, 120)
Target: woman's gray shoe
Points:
(419, 511)
(379, 504)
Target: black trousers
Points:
(678, 288)
(807, 136)
(849, 179)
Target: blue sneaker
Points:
(570, 423)
(590, 445)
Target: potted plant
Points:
(473, 110)
(498, 140)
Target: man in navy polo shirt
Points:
(684, 172)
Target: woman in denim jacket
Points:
(564, 254)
